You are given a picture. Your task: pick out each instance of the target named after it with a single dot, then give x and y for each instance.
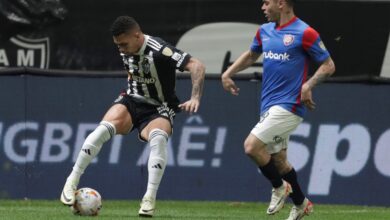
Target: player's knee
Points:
(109, 126)
(122, 127)
(250, 148)
(104, 132)
(158, 140)
(157, 137)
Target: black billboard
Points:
(75, 35)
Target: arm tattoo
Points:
(197, 78)
(323, 72)
(317, 79)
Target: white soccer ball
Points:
(88, 202)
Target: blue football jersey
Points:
(286, 51)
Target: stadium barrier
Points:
(340, 150)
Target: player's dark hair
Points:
(123, 24)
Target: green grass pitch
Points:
(118, 210)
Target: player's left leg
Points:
(156, 132)
(302, 205)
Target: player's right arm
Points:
(244, 61)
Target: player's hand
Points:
(307, 98)
(190, 106)
(229, 85)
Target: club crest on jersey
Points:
(288, 39)
(167, 52)
(145, 66)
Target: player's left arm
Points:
(197, 70)
(326, 69)
(316, 49)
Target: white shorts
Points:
(275, 127)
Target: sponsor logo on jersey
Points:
(276, 56)
(145, 80)
(181, 60)
(176, 56)
(288, 39)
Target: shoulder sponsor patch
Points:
(322, 45)
(167, 52)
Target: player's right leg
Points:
(256, 149)
(116, 121)
(266, 139)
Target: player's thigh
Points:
(274, 128)
(253, 143)
(120, 117)
(157, 123)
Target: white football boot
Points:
(279, 196)
(298, 212)
(147, 207)
(69, 191)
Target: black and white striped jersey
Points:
(152, 72)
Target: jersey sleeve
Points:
(256, 45)
(175, 57)
(314, 46)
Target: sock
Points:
(297, 194)
(272, 174)
(157, 161)
(91, 147)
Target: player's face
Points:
(128, 43)
(271, 10)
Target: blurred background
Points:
(60, 72)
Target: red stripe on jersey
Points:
(287, 24)
(309, 37)
(298, 100)
(258, 37)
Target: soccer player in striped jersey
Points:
(287, 45)
(149, 104)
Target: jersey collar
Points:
(287, 24)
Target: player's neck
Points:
(285, 17)
(141, 42)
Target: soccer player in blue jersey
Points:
(287, 45)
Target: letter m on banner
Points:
(30, 52)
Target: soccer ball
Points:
(88, 202)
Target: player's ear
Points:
(138, 34)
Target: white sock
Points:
(91, 147)
(157, 161)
